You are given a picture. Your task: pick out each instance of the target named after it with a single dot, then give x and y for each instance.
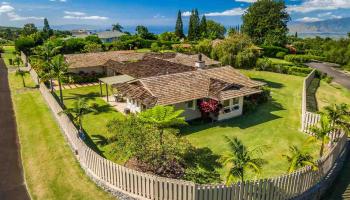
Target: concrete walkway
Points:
(338, 76)
(12, 185)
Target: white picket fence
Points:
(308, 119)
(140, 185)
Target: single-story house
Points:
(109, 36)
(183, 81)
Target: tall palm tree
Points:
(80, 109)
(339, 116)
(321, 131)
(58, 68)
(299, 158)
(162, 117)
(240, 158)
(46, 52)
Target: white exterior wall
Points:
(133, 107)
(233, 113)
(189, 113)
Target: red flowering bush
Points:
(209, 106)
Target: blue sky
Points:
(153, 12)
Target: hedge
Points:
(267, 65)
(271, 51)
(302, 58)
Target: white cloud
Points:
(58, 0)
(309, 19)
(186, 14)
(232, 12)
(15, 17)
(314, 5)
(324, 14)
(5, 8)
(247, 1)
(82, 15)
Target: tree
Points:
(179, 28)
(193, 28)
(266, 22)
(339, 116)
(143, 32)
(299, 158)
(117, 27)
(215, 30)
(93, 39)
(203, 27)
(92, 48)
(17, 61)
(169, 36)
(59, 68)
(240, 158)
(163, 117)
(321, 132)
(47, 31)
(29, 29)
(79, 109)
(24, 44)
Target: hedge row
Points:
(272, 51)
(302, 58)
(267, 65)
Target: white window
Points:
(235, 101)
(226, 103)
(191, 104)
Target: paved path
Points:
(339, 77)
(12, 185)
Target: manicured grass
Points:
(94, 124)
(331, 94)
(275, 124)
(51, 170)
(8, 54)
(280, 61)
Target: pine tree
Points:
(179, 29)
(197, 24)
(296, 35)
(193, 28)
(203, 27)
(47, 29)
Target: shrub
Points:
(302, 58)
(271, 51)
(155, 47)
(265, 64)
(82, 77)
(2, 50)
(281, 55)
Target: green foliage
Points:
(82, 77)
(204, 46)
(271, 51)
(169, 36)
(155, 47)
(24, 44)
(29, 29)
(92, 48)
(266, 22)
(339, 115)
(215, 30)
(117, 27)
(265, 64)
(281, 55)
(47, 31)
(194, 26)
(301, 59)
(241, 159)
(143, 32)
(321, 131)
(93, 39)
(203, 28)
(73, 45)
(179, 29)
(299, 158)
(237, 51)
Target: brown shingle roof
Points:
(99, 59)
(217, 83)
(136, 91)
(148, 67)
(190, 60)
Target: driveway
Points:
(12, 185)
(338, 76)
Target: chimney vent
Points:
(200, 63)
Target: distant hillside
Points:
(332, 26)
(11, 28)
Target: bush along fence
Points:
(130, 184)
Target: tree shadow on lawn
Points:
(87, 96)
(271, 84)
(262, 114)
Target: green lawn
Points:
(94, 123)
(50, 168)
(275, 124)
(8, 54)
(331, 93)
(278, 61)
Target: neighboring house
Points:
(80, 33)
(109, 36)
(171, 79)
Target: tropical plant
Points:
(79, 109)
(321, 131)
(298, 158)
(163, 117)
(21, 73)
(117, 27)
(339, 116)
(240, 159)
(59, 68)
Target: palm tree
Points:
(321, 132)
(80, 109)
(162, 117)
(299, 158)
(58, 68)
(117, 27)
(46, 52)
(339, 116)
(17, 61)
(241, 158)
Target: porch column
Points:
(100, 88)
(107, 92)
